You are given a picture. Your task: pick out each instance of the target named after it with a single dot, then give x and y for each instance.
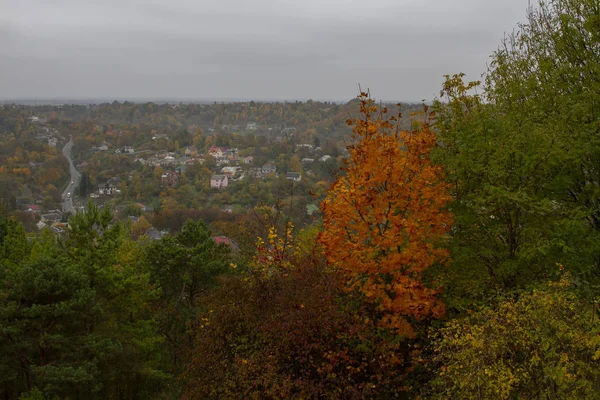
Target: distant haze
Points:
(245, 49)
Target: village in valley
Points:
(173, 162)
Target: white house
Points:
(107, 189)
(304, 146)
(269, 169)
(219, 181)
(293, 176)
(102, 147)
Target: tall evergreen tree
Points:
(85, 185)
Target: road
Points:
(67, 201)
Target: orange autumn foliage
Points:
(385, 220)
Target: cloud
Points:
(260, 49)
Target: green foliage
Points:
(545, 344)
(14, 246)
(75, 318)
(523, 156)
(183, 267)
(85, 185)
(35, 394)
(47, 341)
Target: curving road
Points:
(67, 201)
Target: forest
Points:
(453, 250)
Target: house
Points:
(225, 241)
(52, 141)
(307, 160)
(94, 195)
(269, 169)
(293, 176)
(169, 178)
(231, 155)
(194, 160)
(107, 189)
(33, 118)
(229, 171)
(159, 136)
(325, 158)
(304, 146)
(227, 209)
(58, 230)
(128, 150)
(51, 218)
(216, 152)
(219, 181)
(59, 212)
(40, 225)
(248, 160)
(251, 126)
(102, 147)
(255, 172)
(33, 208)
(168, 160)
(153, 161)
(154, 234)
(191, 151)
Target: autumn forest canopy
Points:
(314, 250)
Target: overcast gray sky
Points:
(245, 49)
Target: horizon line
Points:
(75, 100)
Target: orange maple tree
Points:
(385, 221)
